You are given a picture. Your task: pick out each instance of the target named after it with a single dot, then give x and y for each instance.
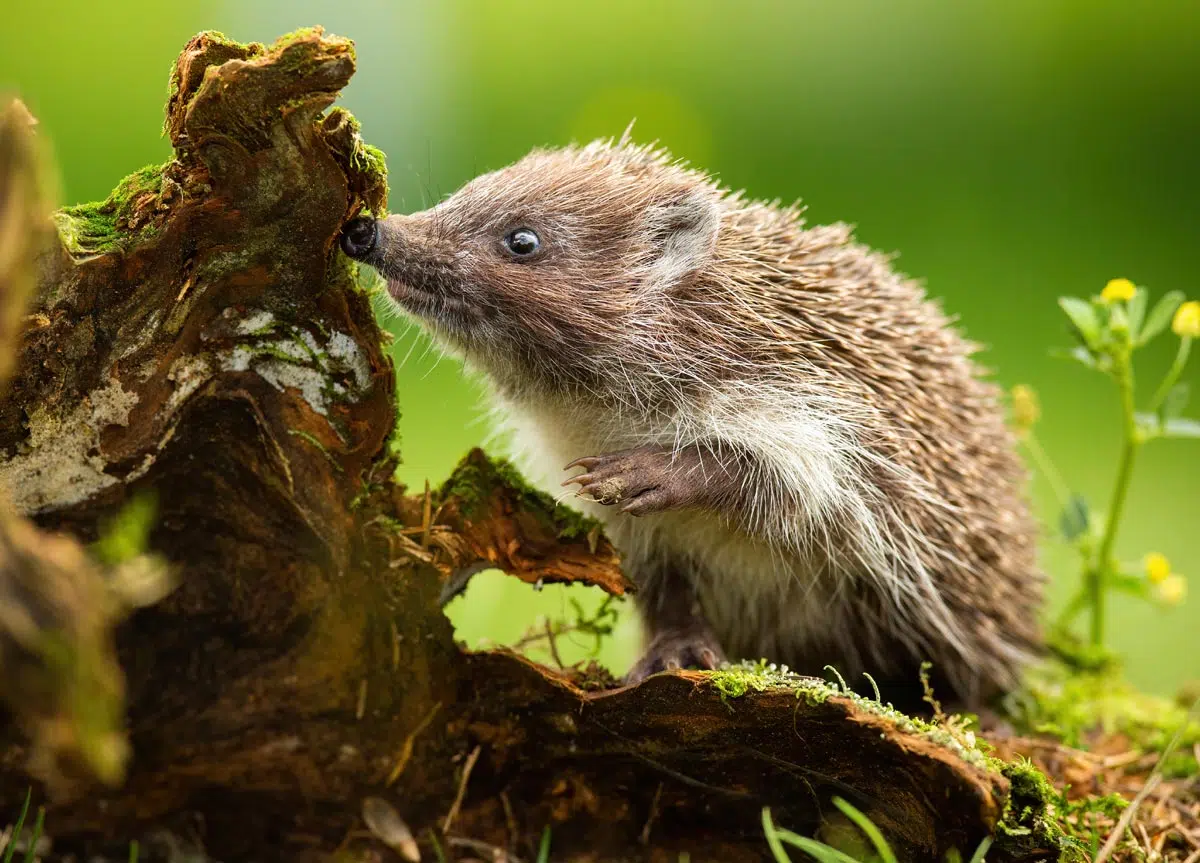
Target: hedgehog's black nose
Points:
(359, 237)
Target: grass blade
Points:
(817, 850)
(867, 826)
(37, 834)
(777, 849)
(981, 852)
(16, 833)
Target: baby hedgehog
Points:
(786, 441)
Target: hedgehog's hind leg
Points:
(677, 633)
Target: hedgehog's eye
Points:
(522, 242)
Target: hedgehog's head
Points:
(559, 261)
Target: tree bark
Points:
(198, 338)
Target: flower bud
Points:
(1118, 289)
(1186, 323)
(1025, 408)
(1158, 568)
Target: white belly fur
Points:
(759, 600)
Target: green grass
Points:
(777, 838)
(15, 836)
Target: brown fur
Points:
(884, 496)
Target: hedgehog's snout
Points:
(360, 237)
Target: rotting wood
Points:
(200, 337)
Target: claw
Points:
(587, 462)
(582, 479)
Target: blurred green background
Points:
(1011, 152)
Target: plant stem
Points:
(1097, 574)
(1181, 358)
(1046, 466)
(1071, 610)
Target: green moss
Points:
(219, 38)
(104, 226)
(372, 163)
(366, 166)
(472, 483)
(1037, 816)
(1031, 808)
(1071, 705)
(302, 33)
(297, 53)
(737, 679)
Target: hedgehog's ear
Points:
(683, 229)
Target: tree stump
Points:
(198, 340)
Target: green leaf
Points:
(1079, 354)
(1179, 427)
(1136, 310)
(1075, 518)
(1175, 402)
(1083, 316)
(867, 826)
(1134, 585)
(1160, 316)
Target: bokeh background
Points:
(1010, 152)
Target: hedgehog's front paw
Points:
(693, 647)
(642, 480)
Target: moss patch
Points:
(1038, 820)
(1033, 817)
(478, 476)
(736, 679)
(365, 166)
(106, 226)
(1074, 706)
(302, 34)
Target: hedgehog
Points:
(789, 444)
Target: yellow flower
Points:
(1025, 406)
(1186, 324)
(1118, 289)
(1173, 590)
(1157, 567)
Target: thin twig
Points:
(462, 789)
(1126, 818)
(426, 516)
(645, 837)
(360, 708)
(552, 643)
(406, 750)
(497, 854)
(510, 819)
